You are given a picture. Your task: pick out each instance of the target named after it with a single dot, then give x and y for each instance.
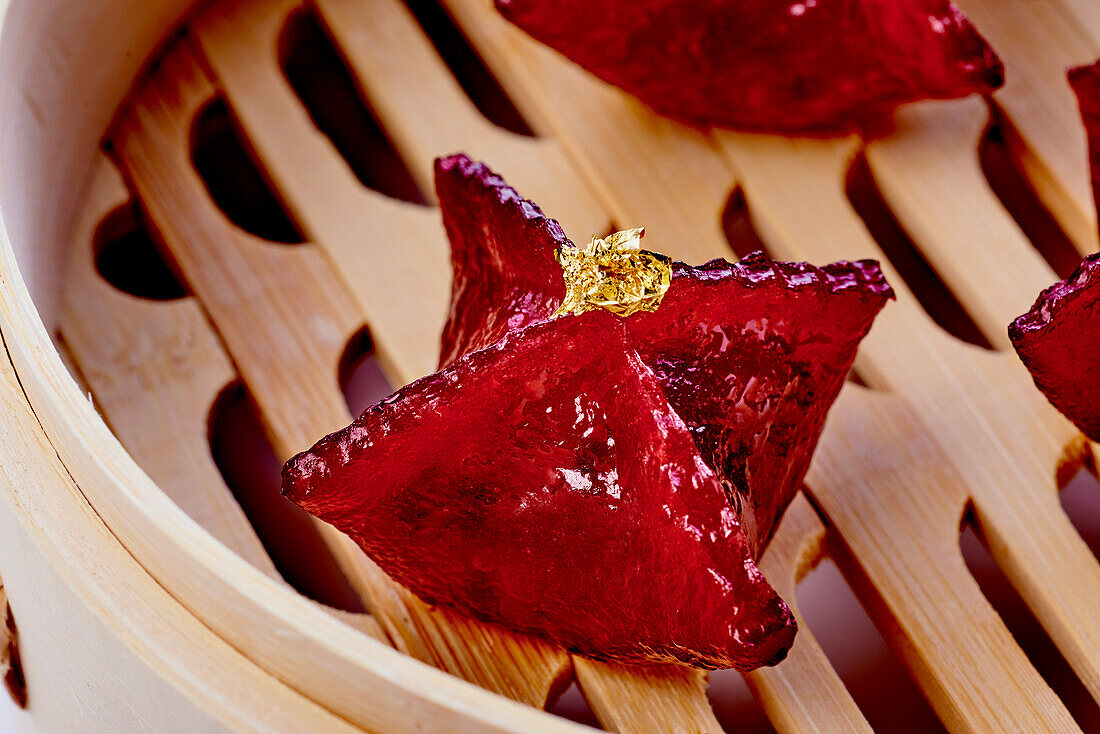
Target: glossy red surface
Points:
(787, 66)
(545, 483)
(599, 482)
(1059, 338)
(502, 256)
(750, 355)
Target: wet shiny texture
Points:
(491, 228)
(750, 355)
(605, 483)
(1059, 338)
(545, 483)
(815, 66)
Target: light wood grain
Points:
(1009, 472)
(239, 39)
(406, 83)
(344, 221)
(804, 693)
(661, 698)
(285, 320)
(96, 630)
(155, 368)
(934, 196)
(1083, 15)
(282, 346)
(911, 577)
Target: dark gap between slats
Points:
(573, 706)
(734, 705)
(879, 683)
(737, 225)
(1080, 498)
(1026, 630)
(1010, 185)
(468, 68)
(854, 376)
(929, 289)
(612, 228)
(126, 256)
(11, 662)
(330, 93)
(361, 379)
(248, 464)
(221, 157)
(1081, 501)
(743, 239)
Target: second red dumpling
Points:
(786, 66)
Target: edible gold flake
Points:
(613, 273)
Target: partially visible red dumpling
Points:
(785, 66)
(1059, 341)
(1059, 338)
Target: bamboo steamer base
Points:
(145, 599)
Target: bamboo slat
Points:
(179, 363)
(798, 545)
(300, 161)
(1084, 15)
(170, 378)
(96, 630)
(948, 383)
(411, 247)
(933, 198)
(259, 95)
(285, 320)
(405, 82)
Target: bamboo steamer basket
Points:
(149, 605)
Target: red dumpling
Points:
(787, 66)
(751, 355)
(545, 483)
(1059, 338)
(1059, 341)
(587, 479)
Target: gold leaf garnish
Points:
(613, 273)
